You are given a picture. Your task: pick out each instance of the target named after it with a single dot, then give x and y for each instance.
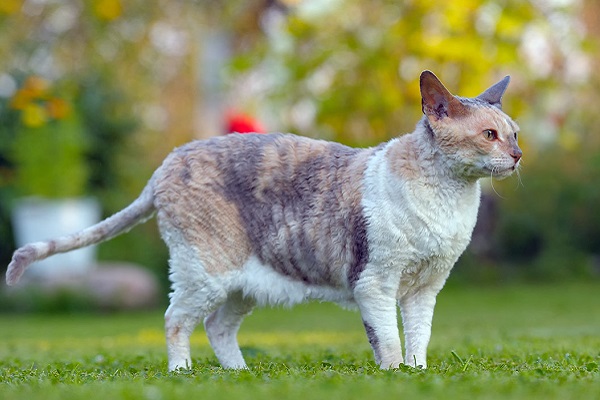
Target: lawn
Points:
(508, 342)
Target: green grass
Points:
(524, 342)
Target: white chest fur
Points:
(416, 224)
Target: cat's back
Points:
(256, 162)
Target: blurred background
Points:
(95, 93)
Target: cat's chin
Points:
(501, 177)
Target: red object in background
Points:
(242, 123)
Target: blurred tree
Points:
(348, 70)
(345, 70)
(126, 59)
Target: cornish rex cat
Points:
(280, 219)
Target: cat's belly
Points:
(268, 287)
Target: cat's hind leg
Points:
(182, 317)
(222, 327)
(178, 329)
(195, 295)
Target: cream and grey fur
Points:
(279, 219)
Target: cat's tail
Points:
(139, 211)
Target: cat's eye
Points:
(516, 136)
(490, 134)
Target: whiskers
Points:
(494, 170)
(518, 172)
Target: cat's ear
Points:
(493, 95)
(437, 102)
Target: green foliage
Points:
(512, 342)
(61, 141)
(39, 300)
(357, 65)
(107, 118)
(50, 160)
(548, 227)
(43, 140)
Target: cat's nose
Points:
(516, 154)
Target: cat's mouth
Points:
(500, 172)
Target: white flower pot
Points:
(36, 219)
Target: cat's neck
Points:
(414, 176)
(417, 156)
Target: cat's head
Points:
(474, 132)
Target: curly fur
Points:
(280, 219)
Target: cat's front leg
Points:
(417, 307)
(379, 315)
(417, 315)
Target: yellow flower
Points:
(34, 115)
(108, 9)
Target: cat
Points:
(279, 219)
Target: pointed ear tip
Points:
(505, 81)
(427, 77)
